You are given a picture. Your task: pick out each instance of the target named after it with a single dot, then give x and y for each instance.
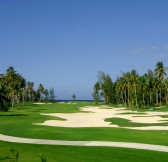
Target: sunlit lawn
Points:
(19, 123)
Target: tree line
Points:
(134, 90)
(14, 89)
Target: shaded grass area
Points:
(161, 109)
(127, 123)
(164, 116)
(31, 152)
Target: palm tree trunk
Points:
(150, 94)
(166, 97)
(128, 97)
(125, 98)
(40, 98)
(12, 102)
(160, 98)
(122, 97)
(144, 99)
(17, 100)
(23, 97)
(166, 92)
(157, 101)
(136, 102)
(117, 98)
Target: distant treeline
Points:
(15, 89)
(134, 90)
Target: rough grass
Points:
(32, 153)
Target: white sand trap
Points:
(95, 116)
(39, 103)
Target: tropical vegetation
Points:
(14, 89)
(133, 90)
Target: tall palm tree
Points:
(96, 94)
(30, 90)
(119, 90)
(156, 88)
(108, 89)
(134, 78)
(127, 77)
(160, 72)
(143, 87)
(3, 94)
(11, 83)
(46, 93)
(166, 91)
(150, 85)
(41, 91)
(122, 89)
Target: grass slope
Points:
(80, 154)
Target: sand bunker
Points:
(95, 116)
(39, 103)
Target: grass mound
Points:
(127, 123)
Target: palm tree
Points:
(127, 78)
(124, 87)
(143, 87)
(12, 84)
(150, 85)
(10, 74)
(74, 97)
(108, 89)
(30, 90)
(106, 85)
(121, 86)
(160, 72)
(166, 85)
(96, 94)
(4, 106)
(156, 87)
(134, 78)
(46, 93)
(41, 91)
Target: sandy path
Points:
(95, 116)
(84, 143)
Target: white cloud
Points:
(147, 49)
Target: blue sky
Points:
(64, 43)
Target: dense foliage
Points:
(134, 90)
(14, 89)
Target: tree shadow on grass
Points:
(5, 158)
(13, 115)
